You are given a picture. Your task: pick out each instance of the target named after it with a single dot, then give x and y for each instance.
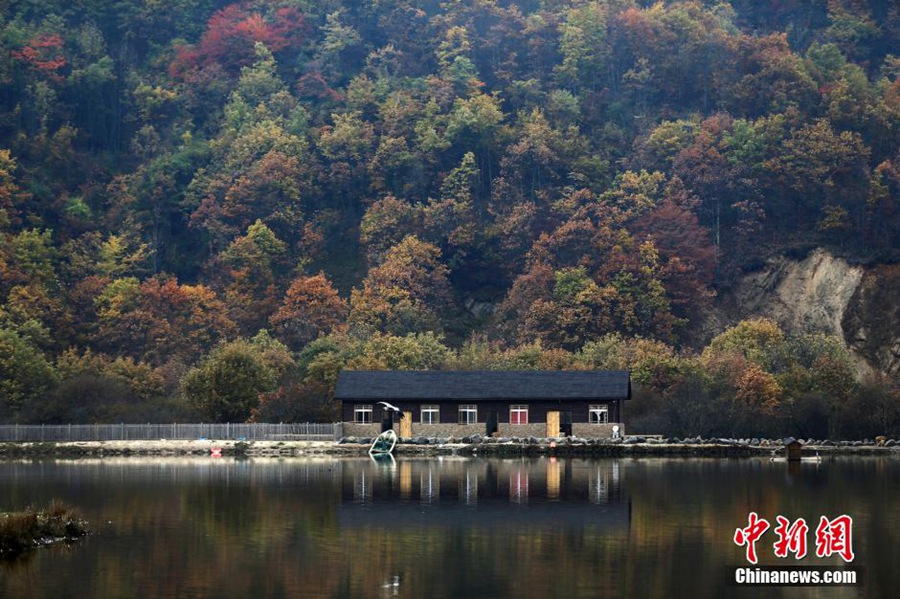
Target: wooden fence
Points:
(145, 432)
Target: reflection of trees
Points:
(280, 528)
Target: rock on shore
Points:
(423, 446)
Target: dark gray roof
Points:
(483, 384)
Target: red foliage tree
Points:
(687, 256)
(231, 34)
(43, 53)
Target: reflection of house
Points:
(486, 493)
(459, 403)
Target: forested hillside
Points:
(208, 208)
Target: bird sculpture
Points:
(391, 407)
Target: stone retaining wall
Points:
(361, 430)
(504, 429)
(596, 431)
(522, 430)
(445, 430)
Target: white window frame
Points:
(361, 412)
(468, 414)
(598, 414)
(521, 410)
(434, 414)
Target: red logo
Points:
(748, 536)
(835, 536)
(832, 537)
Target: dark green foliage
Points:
(226, 385)
(25, 374)
(98, 399)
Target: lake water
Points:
(442, 528)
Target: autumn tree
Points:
(826, 171)
(231, 34)
(407, 292)
(311, 307)
(159, 320)
(386, 222)
(249, 268)
(414, 351)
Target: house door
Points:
(387, 420)
(491, 423)
(406, 425)
(553, 423)
(565, 423)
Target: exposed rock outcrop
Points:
(823, 294)
(871, 323)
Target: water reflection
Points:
(527, 492)
(518, 528)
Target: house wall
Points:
(449, 419)
(449, 410)
(444, 430)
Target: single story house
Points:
(441, 403)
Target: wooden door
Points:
(406, 425)
(553, 424)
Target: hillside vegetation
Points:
(208, 208)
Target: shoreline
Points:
(487, 448)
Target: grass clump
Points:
(20, 531)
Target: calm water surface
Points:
(441, 528)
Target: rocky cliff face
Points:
(871, 323)
(824, 294)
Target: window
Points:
(598, 414)
(431, 414)
(518, 414)
(468, 414)
(362, 414)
